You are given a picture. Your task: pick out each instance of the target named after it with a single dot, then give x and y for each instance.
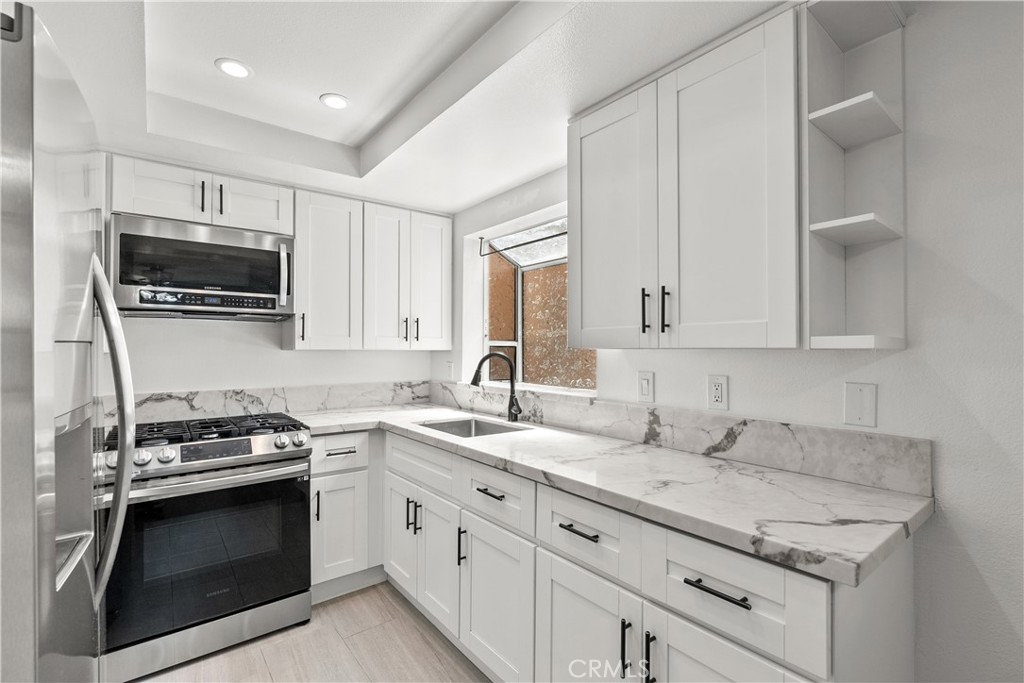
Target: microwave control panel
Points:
(164, 298)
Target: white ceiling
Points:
(486, 134)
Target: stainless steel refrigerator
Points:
(55, 311)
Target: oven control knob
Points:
(300, 439)
(282, 441)
(142, 457)
(111, 460)
(166, 455)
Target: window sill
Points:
(542, 389)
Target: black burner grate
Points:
(151, 434)
(212, 428)
(267, 423)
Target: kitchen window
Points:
(526, 298)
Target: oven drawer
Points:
(779, 611)
(502, 496)
(422, 464)
(591, 533)
(339, 452)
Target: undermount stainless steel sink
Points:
(471, 427)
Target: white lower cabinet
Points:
(588, 629)
(400, 541)
(339, 522)
(682, 651)
(437, 572)
(497, 598)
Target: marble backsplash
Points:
(192, 405)
(895, 463)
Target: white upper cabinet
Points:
(328, 273)
(431, 281)
(408, 274)
(166, 191)
(613, 224)
(153, 189)
(255, 206)
(727, 177)
(683, 221)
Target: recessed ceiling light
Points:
(333, 100)
(233, 67)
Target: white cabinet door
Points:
(496, 621)
(438, 568)
(247, 204)
(431, 282)
(728, 230)
(328, 273)
(682, 651)
(400, 540)
(338, 537)
(613, 224)
(587, 628)
(386, 278)
(161, 190)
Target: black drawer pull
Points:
(408, 520)
(648, 639)
(487, 492)
(318, 506)
(743, 602)
(416, 518)
(623, 664)
(571, 529)
(351, 450)
(460, 557)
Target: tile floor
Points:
(371, 635)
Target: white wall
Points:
(182, 355)
(959, 382)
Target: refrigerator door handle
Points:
(125, 394)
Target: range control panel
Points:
(164, 298)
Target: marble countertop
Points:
(832, 529)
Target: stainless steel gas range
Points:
(215, 548)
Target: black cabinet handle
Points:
(221, 199)
(644, 296)
(405, 335)
(416, 518)
(318, 506)
(487, 492)
(408, 522)
(302, 333)
(571, 529)
(459, 556)
(743, 602)
(664, 295)
(417, 329)
(648, 639)
(202, 197)
(623, 664)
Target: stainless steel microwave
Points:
(173, 269)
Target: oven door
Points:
(167, 266)
(201, 547)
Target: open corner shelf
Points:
(856, 121)
(851, 24)
(858, 341)
(862, 229)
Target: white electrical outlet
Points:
(860, 406)
(645, 386)
(718, 392)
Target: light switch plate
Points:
(645, 386)
(860, 405)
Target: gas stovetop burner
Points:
(212, 428)
(267, 423)
(152, 434)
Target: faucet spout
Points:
(514, 409)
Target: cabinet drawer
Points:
(779, 611)
(591, 533)
(337, 452)
(504, 497)
(423, 464)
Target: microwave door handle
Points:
(125, 395)
(282, 296)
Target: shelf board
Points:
(856, 121)
(862, 229)
(858, 341)
(851, 24)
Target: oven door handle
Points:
(282, 296)
(212, 484)
(124, 392)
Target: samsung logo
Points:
(220, 592)
(212, 287)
